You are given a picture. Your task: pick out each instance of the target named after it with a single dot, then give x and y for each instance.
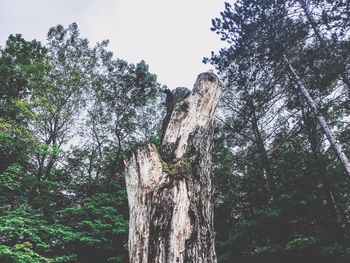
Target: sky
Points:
(172, 36)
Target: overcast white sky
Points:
(172, 36)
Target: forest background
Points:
(69, 111)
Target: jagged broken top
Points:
(194, 111)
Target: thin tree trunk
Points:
(320, 168)
(264, 158)
(170, 193)
(298, 84)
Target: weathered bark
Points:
(298, 84)
(170, 193)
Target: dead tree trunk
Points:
(170, 191)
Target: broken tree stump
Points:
(170, 191)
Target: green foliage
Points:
(301, 243)
(10, 178)
(97, 226)
(33, 237)
(280, 194)
(21, 253)
(69, 112)
(16, 142)
(167, 168)
(155, 140)
(336, 251)
(62, 201)
(266, 251)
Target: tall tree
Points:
(69, 112)
(260, 35)
(264, 30)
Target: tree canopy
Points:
(70, 111)
(281, 187)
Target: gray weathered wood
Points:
(170, 191)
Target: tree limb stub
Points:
(170, 191)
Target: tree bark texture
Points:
(170, 191)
